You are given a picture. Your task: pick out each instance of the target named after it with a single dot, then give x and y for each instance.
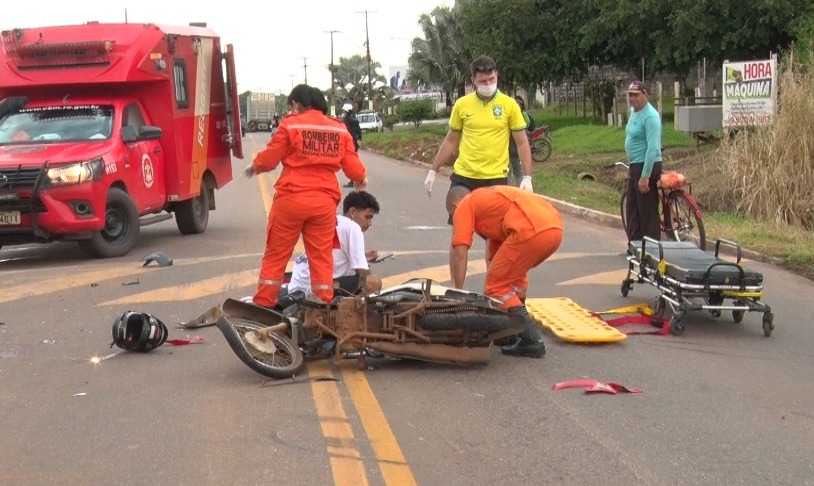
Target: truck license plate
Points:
(9, 217)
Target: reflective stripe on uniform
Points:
(319, 127)
(275, 283)
(322, 287)
(507, 297)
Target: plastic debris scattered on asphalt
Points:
(595, 386)
(132, 282)
(159, 257)
(80, 394)
(182, 342)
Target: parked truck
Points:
(260, 110)
(105, 128)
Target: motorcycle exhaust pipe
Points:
(440, 353)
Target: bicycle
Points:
(540, 141)
(679, 211)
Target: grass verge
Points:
(593, 149)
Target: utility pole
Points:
(331, 68)
(369, 74)
(292, 80)
(305, 68)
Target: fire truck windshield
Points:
(50, 124)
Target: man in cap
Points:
(643, 148)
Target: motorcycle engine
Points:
(349, 315)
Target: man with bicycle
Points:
(643, 148)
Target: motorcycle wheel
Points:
(465, 322)
(287, 362)
(540, 149)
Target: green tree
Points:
(351, 79)
(442, 57)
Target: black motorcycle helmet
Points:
(138, 331)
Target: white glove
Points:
(249, 171)
(525, 184)
(428, 182)
(360, 186)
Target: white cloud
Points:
(270, 38)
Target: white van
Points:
(370, 121)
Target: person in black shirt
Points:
(352, 124)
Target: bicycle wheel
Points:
(541, 150)
(686, 223)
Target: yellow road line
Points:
(195, 290)
(395, 470)
(346, 462)
(81, 279)
(613, 277)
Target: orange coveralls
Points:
(312, 148)
(522, 230)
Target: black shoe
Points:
(506, 341)
(526, 349)
(349, 184)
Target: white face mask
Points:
(487, 90)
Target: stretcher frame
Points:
(684, 296)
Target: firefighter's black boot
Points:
(530, 344)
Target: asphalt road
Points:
(721, 404)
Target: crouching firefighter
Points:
(521, 230)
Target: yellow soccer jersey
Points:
(485, 128)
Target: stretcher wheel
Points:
(627, 284)
(737, 316)
(659, 307)
(677, 324)
(768, 324)
(715, 312)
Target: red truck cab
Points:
(107, 127)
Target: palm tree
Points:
(351, 79)
(441, 58)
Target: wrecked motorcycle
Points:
(419, 319)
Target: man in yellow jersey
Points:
(480, 125)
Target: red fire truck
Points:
(108, 127)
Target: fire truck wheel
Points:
(192, 215)
(121, 227)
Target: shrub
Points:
(390, 121)
(415, 112)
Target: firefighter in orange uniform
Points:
(521, 230)
(312, 148)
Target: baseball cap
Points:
(347, 107)
(637, 87)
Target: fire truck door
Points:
(233, 104)
(144, 161)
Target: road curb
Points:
(611, 220)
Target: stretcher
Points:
(690, 279)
